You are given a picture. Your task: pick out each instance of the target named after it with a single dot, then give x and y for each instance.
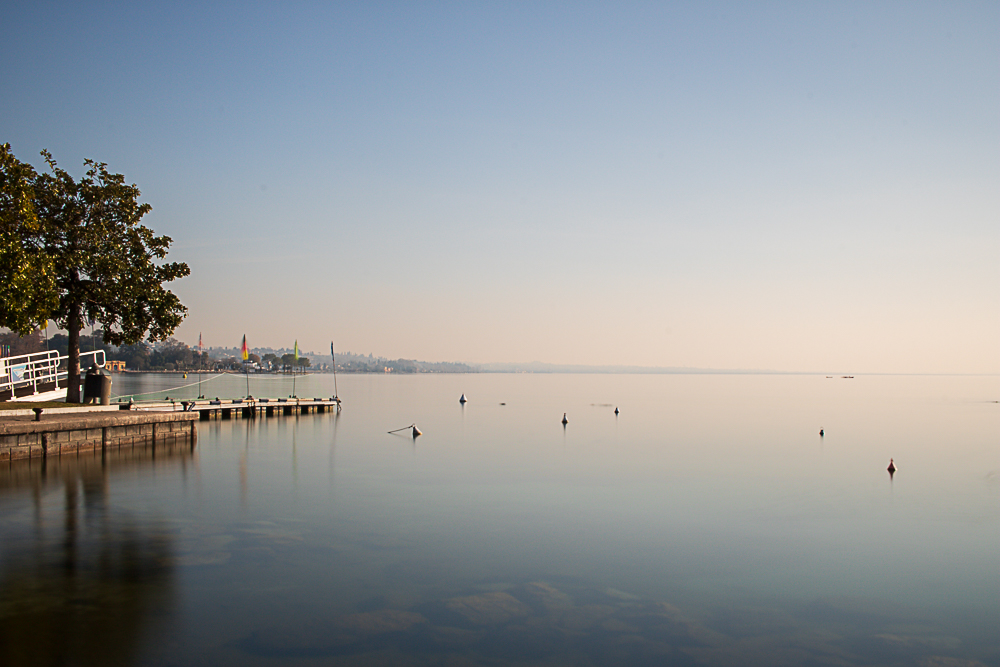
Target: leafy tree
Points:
(172, 354)
(60, 343)
(27, 274)
(23, 344)
(103, 261)
(135, 356)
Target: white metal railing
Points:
(41, 372)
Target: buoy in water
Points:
(892, 467)
(821, 433)
(616, 410)
(413, 429)
(565, 421)
(185, 376)
(463, 400)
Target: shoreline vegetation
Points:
(555, 369)
(173, 356)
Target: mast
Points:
(333, 358)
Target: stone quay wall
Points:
(58, 434)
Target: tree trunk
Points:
(73, 377)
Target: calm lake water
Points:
(707, 524)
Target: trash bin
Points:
(97, 386)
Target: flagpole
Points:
(201, 358)
(333, 358)
(246, 356)
(295, 363)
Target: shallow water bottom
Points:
(707, 524)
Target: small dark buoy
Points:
(892, 467)
(565, 421)
(503, 404)
(616, 410)
(463, 400)
(416, 431)
(821, 433)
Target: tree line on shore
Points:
(174, 355)
(169, 355)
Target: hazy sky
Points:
(787, 186)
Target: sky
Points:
(800, 186)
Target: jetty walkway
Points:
(31, 433)
(247, 408)
(58, 431)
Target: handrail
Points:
(40, 368)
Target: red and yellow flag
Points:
(246, 350)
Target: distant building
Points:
(114, 365)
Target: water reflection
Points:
(704, 527)
(333, 443)
(81, 583)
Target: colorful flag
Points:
(296, 351)
(246, 350)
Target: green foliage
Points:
(23, 344)
(27, 273)
(88, 343)
(136, 357)
(288, 361)
(105, 259)
(74, 250)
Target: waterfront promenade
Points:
(63, 430)
(59, 431)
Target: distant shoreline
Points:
(588, 371)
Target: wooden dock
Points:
(245, 408)
(58, 431)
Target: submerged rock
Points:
(377, 622)
(488, 608)
(586, 616)
(548, 596)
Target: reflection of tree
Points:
(83, 592)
